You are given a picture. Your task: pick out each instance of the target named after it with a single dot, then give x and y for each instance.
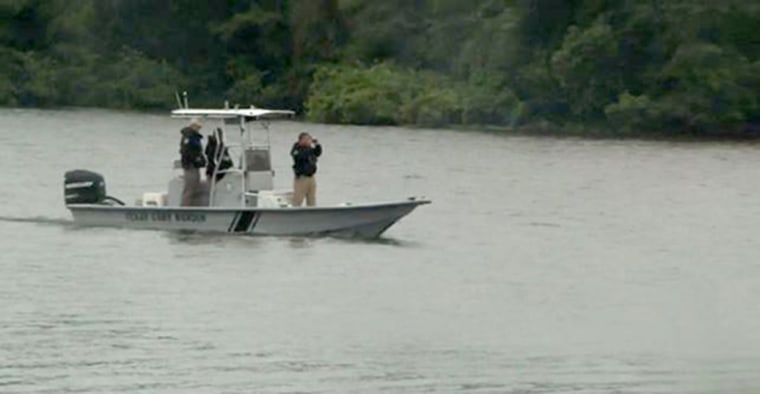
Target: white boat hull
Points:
(364, 221)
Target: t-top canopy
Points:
(249, 113)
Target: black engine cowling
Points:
(84, 187)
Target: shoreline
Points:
(597, 133)
(539, 129)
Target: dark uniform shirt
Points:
(305, 159)
(218, 158)
(191, 149)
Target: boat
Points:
(241, 199)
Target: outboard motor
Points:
(84, 187)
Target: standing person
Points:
(305, 153)
(191, 151)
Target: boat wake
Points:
(38, 220)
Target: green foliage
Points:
(488, 101)
(433, 101)
(246, 89)
(37, 81)
(385, 94)
(706, 90)
(634, 113)
(382, 95)
(672, 66)
(344, 94)
(141, 82)
(587, 68)
(11, 68)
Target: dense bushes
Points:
(675, 67)
(132, 81)
(665, 66)
(385, 94)
(703, 90)
(49, 58)
(140, 82)
(344, 94)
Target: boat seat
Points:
(154, 200)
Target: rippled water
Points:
(543, 266)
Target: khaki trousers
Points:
(192, 189)
(305, 187)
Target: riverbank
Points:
(601, 133)
(616, 68)
(538, 129)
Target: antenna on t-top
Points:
(187, 106)
(179, 101)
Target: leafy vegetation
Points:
(684, 66)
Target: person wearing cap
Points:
(191, 152)
(305, 153)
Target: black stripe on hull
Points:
(235, 220)
(246, 218)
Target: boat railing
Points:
(241, 167)
(238, 119)
(237, 168)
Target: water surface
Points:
(544, 265)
